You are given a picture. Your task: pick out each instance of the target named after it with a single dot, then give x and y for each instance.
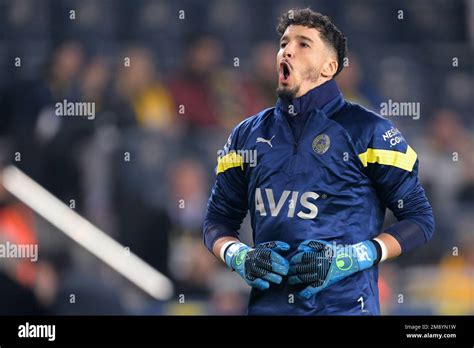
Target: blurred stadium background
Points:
(173, 107)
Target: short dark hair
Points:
(328, 31)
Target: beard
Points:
(288, 93)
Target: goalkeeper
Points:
(326, 171)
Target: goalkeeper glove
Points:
(260, 265)
(320, 264)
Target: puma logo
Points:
(267, 141)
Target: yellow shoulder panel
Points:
(397, 159)
(231, 160)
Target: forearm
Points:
(214, 230)
(416, 224)
(390, 246)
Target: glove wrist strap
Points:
(224, 249)
(383, 249)
(231, 251)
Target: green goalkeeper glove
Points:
(260, 265)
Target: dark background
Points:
(167, 91)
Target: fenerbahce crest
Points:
(321, 143)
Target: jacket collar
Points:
(325, 97)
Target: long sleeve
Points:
(392, 166)
(227, 205)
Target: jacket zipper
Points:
(296, 141)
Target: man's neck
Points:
(318, 83)
(315, 98)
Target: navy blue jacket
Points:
(332, 182)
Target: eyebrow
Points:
(302, 37)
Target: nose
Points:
(288, 51)
(287, 54)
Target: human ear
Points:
(329, 68)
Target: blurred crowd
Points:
(167, 91)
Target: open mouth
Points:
(284, 71)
